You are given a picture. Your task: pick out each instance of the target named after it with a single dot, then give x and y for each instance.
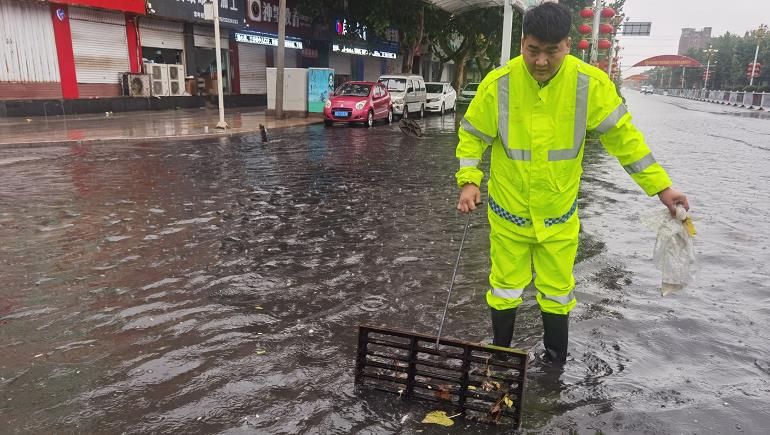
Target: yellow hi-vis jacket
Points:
(537, 137)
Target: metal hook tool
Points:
(452, 283)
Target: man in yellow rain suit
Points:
(534, 112)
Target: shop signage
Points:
(363, 51)
(60, 14)
(262, 16)
(231, 12)
(251, 38)
(135, 6)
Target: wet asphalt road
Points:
(216, 286)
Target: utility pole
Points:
(595, 34)
(505, 54)
(759, 34)
(709, 52)
(222, 125)
(279, 61)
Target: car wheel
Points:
(370, 119)
(390, 115)
(442, 109)
(422, 111)
(328, 123)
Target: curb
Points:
(122, 139)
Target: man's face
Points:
(543, 59)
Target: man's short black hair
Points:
(549, 22)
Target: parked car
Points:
(440, 97)
(358, 102)
(467, 93)
(407, 93)
(647, 89)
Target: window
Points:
(377, 92)
(410, 87)
(353, 90)
(397, 85)
(434, 88)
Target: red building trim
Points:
(235, 68)
(134, 44)
(63, 36)
(133, 6)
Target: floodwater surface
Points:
(216, 286)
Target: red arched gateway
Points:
(670, 60)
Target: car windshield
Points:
(398, 85)
(471, 87)
(432, 88)
(353, 90)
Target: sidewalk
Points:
(137, 126)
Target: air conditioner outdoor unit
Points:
(254, 10)
(136, 85)
(159, 78)
(176, 80)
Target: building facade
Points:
(694, 39)
(85, 49)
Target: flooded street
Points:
(216, 286)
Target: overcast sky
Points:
(668, 17)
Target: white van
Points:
(407, 93)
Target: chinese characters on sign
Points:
(266, 40)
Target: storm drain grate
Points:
(472, 378)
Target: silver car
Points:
(407, 93)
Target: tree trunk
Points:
(460, 76)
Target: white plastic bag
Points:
(674, 253)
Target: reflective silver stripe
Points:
(467, 126)
(581, 117)
(508, 293)
(503, 120)
(612, 119)
(564, 300)
(640, 165)
(518, 154)
(464, 163)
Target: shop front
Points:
(257, 43)
(189, 42)
(357, 55)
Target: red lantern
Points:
(585, 29)
(608, 13)
(604, 44)
(606, 28)
(583, 44)
(587, 13)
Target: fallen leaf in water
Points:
(508, 402)
(258, 307)
(438, 417)
(261, 352)
(472, 387)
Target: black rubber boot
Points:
(502, 326)
(555, 338)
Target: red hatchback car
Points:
(358, 102)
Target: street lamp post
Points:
(759, 34)
(222, 125)
(709, 52)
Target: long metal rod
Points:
(452, 283)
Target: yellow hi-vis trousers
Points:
(513, 256)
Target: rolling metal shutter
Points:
(99, 44)
(252, 66)
(27, 44)
(341, 63)
(161, 34)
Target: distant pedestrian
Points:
(534, 111)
